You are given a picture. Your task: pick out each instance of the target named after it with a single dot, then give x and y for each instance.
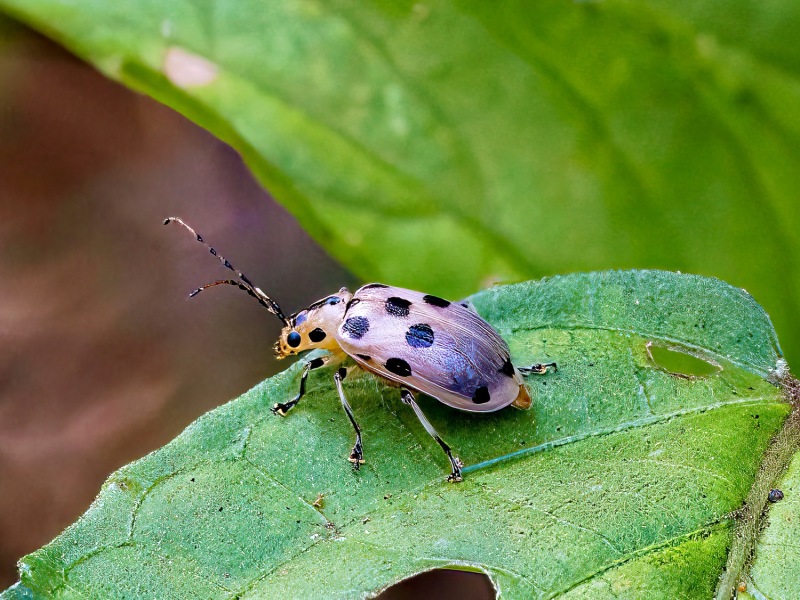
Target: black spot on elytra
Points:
(356, 327)
(293, 339)
(397, 307)
(398, 366)
(420, 336)
(436, 301)
(481, 395)
(352, 302)
(364, 357)
(317, 335)
(507, 368)
(372, 286)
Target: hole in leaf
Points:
(681, 362)
(442, 584)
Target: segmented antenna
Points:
(245, 284)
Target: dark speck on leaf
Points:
(775, 496)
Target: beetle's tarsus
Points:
(357, 456)
(281, 408)
(538, 368)
(456, 464)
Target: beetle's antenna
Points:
(245, 284)
(238, 284)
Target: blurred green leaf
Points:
(619, 482)
(445, 145)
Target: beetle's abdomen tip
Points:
(523, 399)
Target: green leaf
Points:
(621, 481)
(492, 142)
(775, 572)
(19, 592)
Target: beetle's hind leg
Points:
(537, 369)
(357, 454)
(281, 408)
(455, 462)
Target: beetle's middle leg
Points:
(357, 454)
(455, 462)
(281, 408)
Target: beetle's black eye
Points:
(293, 339)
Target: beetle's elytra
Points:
(417, 342)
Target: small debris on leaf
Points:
(775, 496)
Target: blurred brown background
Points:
(102, 358)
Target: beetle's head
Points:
(314, 327)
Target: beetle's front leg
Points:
(281, 408)
(357, 454)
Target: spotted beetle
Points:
(417, 342)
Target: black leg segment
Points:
(357, 454)
(281, 408)
(455, 462)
